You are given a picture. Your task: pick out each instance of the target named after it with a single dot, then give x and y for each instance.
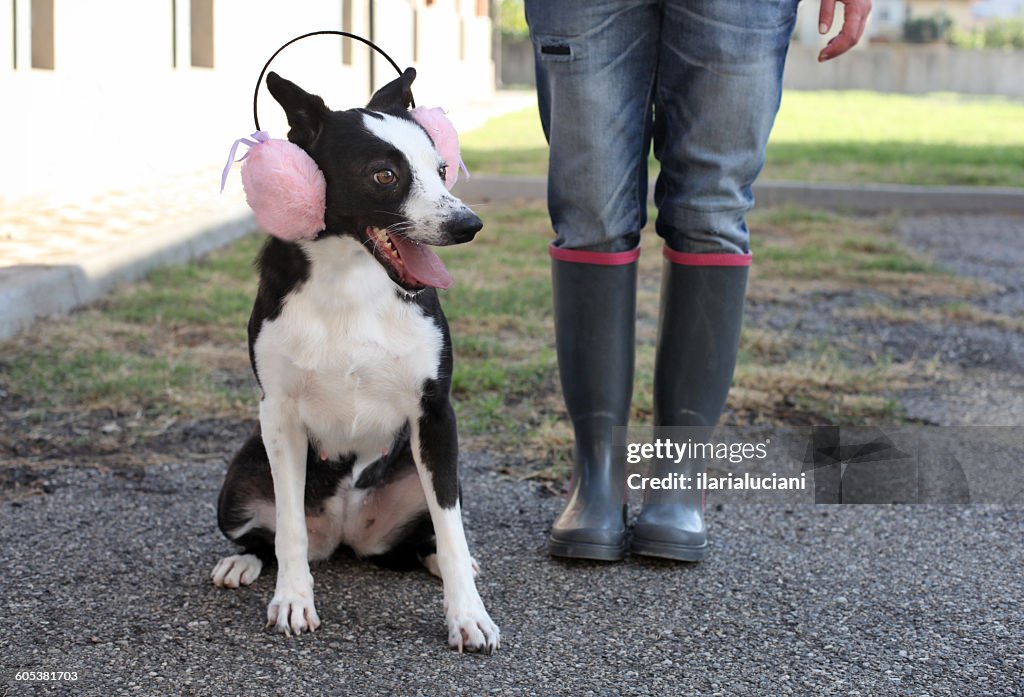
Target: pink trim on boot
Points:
(706, 259)
(581, 256)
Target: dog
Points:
(357, 443)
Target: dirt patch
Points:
(35, 442)
(956, 340)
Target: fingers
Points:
(855, 19)
(825, 15)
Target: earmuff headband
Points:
(284, 186)
(335, 32)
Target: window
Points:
(415, 35)
(346, 25)
(202, 33)
(14, 35)
(462, 39)
(174, 33)
(42, 34)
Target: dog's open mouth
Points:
(415, 265)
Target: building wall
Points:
(905, 68)
(124, 105)
(909, 69)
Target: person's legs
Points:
(719, 86)
(596, 64)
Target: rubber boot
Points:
(595, 319)
(698, 338)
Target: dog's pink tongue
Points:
(421, 263)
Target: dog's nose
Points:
(462, 227)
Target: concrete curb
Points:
(28, 293)
(862, 198)
(883, 198)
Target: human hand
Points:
(855, 17)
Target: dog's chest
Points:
(348, 352)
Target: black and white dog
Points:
(357, 443)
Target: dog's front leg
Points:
(284, 437)
(436, 451)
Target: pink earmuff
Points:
(284, 188)
(445, 137)
(287, 191)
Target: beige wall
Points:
(114, 112)
(909, 69)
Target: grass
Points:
(801, 244)
(850, 136)
(173, 347)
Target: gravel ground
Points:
(988, 363)
(985, 247)
(108, 575)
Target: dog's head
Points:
(385, 179)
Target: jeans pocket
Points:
(556, 49)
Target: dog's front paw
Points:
(236, 570)
(470, 628)
(292, 611)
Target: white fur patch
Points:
(429, 203)
(291, 610)
(347, 353)
(236, 570)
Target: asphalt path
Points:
(107, 574)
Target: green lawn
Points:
(856, 136)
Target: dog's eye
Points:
(443, 171)
(385, 177)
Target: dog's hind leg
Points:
(245, 514)
(237, 570)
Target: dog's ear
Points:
(305, 111)
(396, 96)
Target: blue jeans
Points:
(702, 78)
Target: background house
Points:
(103, 94)
(888, 17)
(960, 11)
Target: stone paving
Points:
(41, 232)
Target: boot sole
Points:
(587, 550)
(667, 550)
